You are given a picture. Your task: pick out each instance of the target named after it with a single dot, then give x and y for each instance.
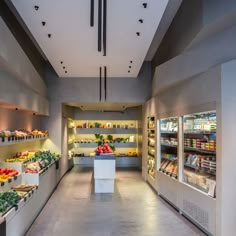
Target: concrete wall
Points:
(16, 119)
(215, 9)
(185, 26)
(20, 83)
(15, 23)
(132, 113)
(193, 23)
(86, 90)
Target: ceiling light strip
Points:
(99, 25)
(91, 13)
(104, 27)
(105, 82)
(100, 84)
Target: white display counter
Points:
(104, 173)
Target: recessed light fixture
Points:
(61, 62)
(64, 67)
(43, 23)
(36, 8)
(34, 114)
(145, 5)
(16, 109)
(66, 71)
(128, 71)
(130, 67)
(49, 35)
(131, 61)
(140, 21)
(138, 33)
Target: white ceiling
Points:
(74, 42)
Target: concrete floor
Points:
(134, 209)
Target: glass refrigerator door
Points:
(169, 146)
(200, 151)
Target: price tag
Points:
(10, 180)
(212, 187)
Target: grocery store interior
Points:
(117, 117)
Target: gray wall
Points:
(215, 9)
(21, 36)
(194, 21)
(20, 83)
(132, 113)
(121, 90)
(16, 119)
(184, 27)
(11, 119)
(86, 90)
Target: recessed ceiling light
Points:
(138, 33)
(64, 67)
(130, 67)
(145, 5)
(61, 62)
(43, 23)
(36, 8)
(49, 35)
(131, 61)
(128, 71)
(140, 20)
(66, 71)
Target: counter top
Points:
(105, 157)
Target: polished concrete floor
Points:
(134, 209)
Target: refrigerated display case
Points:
(151, 155)
(169, 146)
(200, 151)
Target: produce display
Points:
(15, 135)
(41, 160)
(21, 156)
(23, 189)
(6, 173)
(7, 200)
(105, 149)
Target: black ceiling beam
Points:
(104, 27)
(99, 25)
(91, 13)
(105, 82)
(100, 84)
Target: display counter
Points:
(104, 173)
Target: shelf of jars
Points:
(200, 151)
(169, 146)
(151, 147)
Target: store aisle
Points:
(74, 210)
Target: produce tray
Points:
(8, 215)
(9, 183)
